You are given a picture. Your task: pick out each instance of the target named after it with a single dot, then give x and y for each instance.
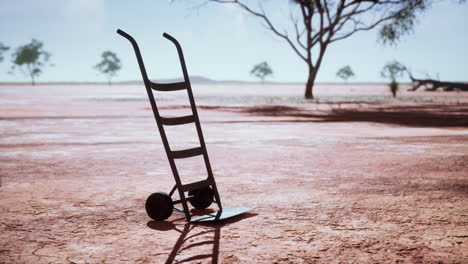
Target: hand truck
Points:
(159, 206)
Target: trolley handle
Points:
(125, 35)
(138, 55)
(171, 38)
(181, 55)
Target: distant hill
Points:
(193, 79)
(196, 79)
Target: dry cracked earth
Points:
(331, 183)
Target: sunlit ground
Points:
(352, 176)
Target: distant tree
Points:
(109, 65)
(316, 24)
(345, 73)
(3, 48)
(30, 59)
(393, 70)
(262, 70)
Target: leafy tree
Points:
(345, 73)
(315, 24)
(3, 48)
(109, 65)
(30, 58)
(262, 70)
(393, 70)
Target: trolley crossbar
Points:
(186, 153)
(178, 201)
(168, 87)
(173, 121)
(196, 185)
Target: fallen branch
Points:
(432, 85)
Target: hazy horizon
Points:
(200, 80)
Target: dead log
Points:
(433, 85)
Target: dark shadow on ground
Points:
(196, 230)
(427, 115)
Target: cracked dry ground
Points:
(325, 191)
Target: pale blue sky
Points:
(219, 41)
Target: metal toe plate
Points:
(227, 212)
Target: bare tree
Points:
(315, 24)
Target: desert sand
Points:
(346, 178)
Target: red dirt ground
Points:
(331, 183)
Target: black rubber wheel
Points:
(159, 206)
(202, 198)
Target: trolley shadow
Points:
(203, 234)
